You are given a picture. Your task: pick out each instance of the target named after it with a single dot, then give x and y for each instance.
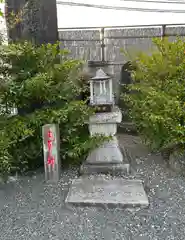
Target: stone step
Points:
(112, 169)
(107, 191)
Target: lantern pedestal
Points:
(108, 158)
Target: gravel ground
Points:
(32, 210)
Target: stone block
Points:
(112, 117)
(113, 169)
(106, 129)
(106, 191)
(176, 162)
(109, 152)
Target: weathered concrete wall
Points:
(178, 31)
(130, 40)
(86, 44)
(82, 44)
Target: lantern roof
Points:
(100, 75)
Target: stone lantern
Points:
(101, 93)
(107, 157)
(96, 186)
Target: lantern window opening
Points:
(101, 89)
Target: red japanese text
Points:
(51, 159)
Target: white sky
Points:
(69, 16)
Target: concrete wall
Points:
(82, 44)
(86, 43)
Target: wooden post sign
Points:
(51, 147)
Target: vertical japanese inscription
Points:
(51, 147)
(51, 139)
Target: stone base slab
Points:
(113, 169)
(105, 191)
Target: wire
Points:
(119, 8)
(153, 1)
